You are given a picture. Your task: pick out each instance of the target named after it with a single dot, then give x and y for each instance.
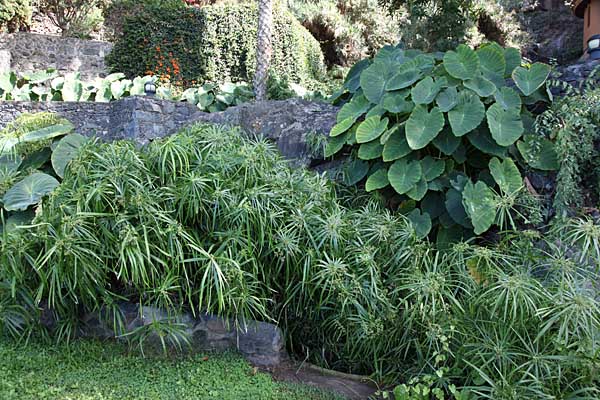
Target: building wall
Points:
(29, 52)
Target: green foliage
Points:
(107, 371)
(212, 44)
(76, 18)
(14, 14)
(572, 125)
(34, 152)
(438, 124)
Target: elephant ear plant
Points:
(438, 131)
(34, 152)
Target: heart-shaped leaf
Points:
(396, 102)
(481, 86)
(355, 171)
(421, 223)
(396, 147)
(508, 98)
(530, 80)
(404, 175)
(506, 126)
(425, 91)
(493, 63)
(419, 190)
(335, 144)
(446, 142)
(352, 81)
(370, 151)
(29, 191)
(423, 126)
(456, 209)
(342, 127)
(540, 153)
(513, 60)
(377, 180)
(372, 82)
(405, 77)
(66, 150)
(480, 204)
(432, 168)
(355, 108)
(447, 99)
(482, 140)
(506, 175)
(462, 63)
(370, 129)
(467, 115)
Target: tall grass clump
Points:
(209, 221)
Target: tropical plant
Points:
(34, 152)
(427, 125)
(71, 16)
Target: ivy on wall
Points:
(216, 43)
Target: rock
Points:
(288, 123)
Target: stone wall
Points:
(28, 52)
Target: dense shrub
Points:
(14, 14)
(434, 133)
(214, 43)
(210, 221)
(76, 18)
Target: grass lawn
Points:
(89, 370)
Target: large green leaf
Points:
(40, 76)
(432, 168)
(421, 223)
(405, 77)
(352, 81)
(419, 190)
(433, 204)
(456, 209)
(530, 80)
(377, 180)
(355, 108)
(404, 175)
(342, 126)
(425, 91)
(48, 132)
(335, 144)
(467, 115)
(29, 191)
(65, 151)
(396, 102)
(480, 85)
(396, 147)
(540, 153)
(446, 142)
(482, 140)
(480, 203)
(493, 63)
(72, 89)
(423, 126)
(462, 63)
(370, 129)
(370, 150)
(506, 174)
(506, 126)
(447, 99)
(508, 98)
(513, 60)
(372, 82)
(355, 171)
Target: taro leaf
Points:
(421, 223)
(377, 180)
(396, 102)
(205, 100)
(422, 126)
(482, 140)
(508, 98)
(539, 153)
(103, 92)
(342, 127)
(138, 86)
(372, 82)
(506, 126)
(115, 77)
(433, 204)
(40, 76)
(36, 159)
(446, 142)
(404, 175)
(10, 163)
(370, 151)
(530, 80)
(447, 99)
(460, 154)
(432, 168)
(378, 110)
(370, 129)
(462, 63)
(481, 86)
(396, 147)
(425, 91)
(467, 115)
(513, 60)
(405, 77)
(493, 63)
(391, 131)
(355, 108)
(455, 208)
(390, 55)
(425, 62)
(17, 219)
(29, 191)
(48, 132)
(352, 82)
(335, 144)
(65, 151)
(72, 89)
(8, 81)
(506, 174)
(118, 88)
(419, 190)
(355, 171)
(480, 204)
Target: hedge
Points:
(14, 14)
(213, 43)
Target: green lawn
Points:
(102, 371)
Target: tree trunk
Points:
(264, 48)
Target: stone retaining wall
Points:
(30, 52)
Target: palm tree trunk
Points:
(264, 48)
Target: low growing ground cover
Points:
(106, 371)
